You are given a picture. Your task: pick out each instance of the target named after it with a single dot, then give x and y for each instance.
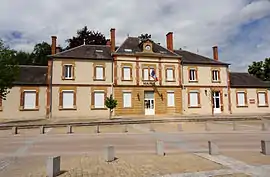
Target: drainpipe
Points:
(50, 114)
(183, 96)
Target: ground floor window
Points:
(194, 98)
(67, 99)
(127, 99)
(170, 99)
(241, 98)
(99, 99)
(29, 99)
(262, 99)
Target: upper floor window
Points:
(126, 73)
(67, 71)
(170, 74)
(262, 98)
(215, 75)
(149, 73)
(99, 72)
(193, 75)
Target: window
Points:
(29, 99)
(68, 71)
(170, 99)
(145, 74)
(262, 98)
(241, 98)
(99, 98)
(215, 75)
(193, 74)
(67, 99)
(151, 70)
(170, 74)
(126, 73)
(99, 72)
(127, 100)
(194, 99)
(147, 70)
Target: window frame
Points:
(265, 92)
(68, 63)
(123, 66)
(67, 89)
(23, 90)
(123, 104)
(198, 98)
(98, 90)
(149, 67)
(171, 92)
(95, 66)
(245, 97)
(195, 68)
(217, 70)
(173, 73)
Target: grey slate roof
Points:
(192, 58)
(86, 52)
(133, 43)
(245, 80)
(31, 75)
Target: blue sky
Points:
(239, 27)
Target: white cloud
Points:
(196, 24)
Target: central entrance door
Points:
(216, 102)
(149, 103)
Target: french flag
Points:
(153, 75)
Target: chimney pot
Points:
(170, 41)
(53, 47)
(112, 39)
(215, 53)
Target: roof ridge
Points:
(33, 66)
(68, 50)
(96, 45)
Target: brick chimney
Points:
(215, 53)
(112, 39)
(53, 47)
(170, 41)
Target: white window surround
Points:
(68, 99)
(126, 73)
(169, 72)
(241, 98)
(68, 71)
(99, 72)
(29, 99)
(99, 99)
(192, 74)
(127, 99)
(193, 98)
(262, 99)
(170, 99)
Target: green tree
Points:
(110, 103)
(8, 69)
(145, 36)
(40, 53)
(86, 36)
(23, 58)
(260, 69)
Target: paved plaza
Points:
(186, 150)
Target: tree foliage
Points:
(260, 69)
(40, 53)
(86, 36)
(8, 69)
(110, 103)
(145, 36)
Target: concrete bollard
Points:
(125, 129)
(53, 166)
(42, 130)
(152, 129)
(234, 125)
(160, 148)
(265, 146)
(14, 130)
(206, 127)
(213, 148)
(69, 129)
(109, 154)
(97, 129)
(264, 126)
(179, 127)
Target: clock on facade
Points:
(148, 47)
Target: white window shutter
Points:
(99, 72)
(241, 98)
(126, 100)
(145, 74)
(169, 74)
(29, 100)
(170, 99)
(193, 99)
(126, 73)
(99, 100)
(262, 101)
(68, 99)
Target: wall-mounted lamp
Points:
(161, 96)
(205, 91)
(138, 96)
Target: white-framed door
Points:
(149, 103)
(216, 102)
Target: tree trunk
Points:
(110, 115)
